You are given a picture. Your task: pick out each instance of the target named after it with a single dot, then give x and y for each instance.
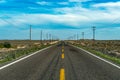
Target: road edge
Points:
(23, 58)
(98, 57)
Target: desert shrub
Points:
(1, 45)
(7, 45)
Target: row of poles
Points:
(49, 37)
(76, 36)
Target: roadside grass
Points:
(105, 56)
(19, 53)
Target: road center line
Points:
(62, 50)
(62, 74)
(62, 70)
(62, 56)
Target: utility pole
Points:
(47, 37)
(41, 37)
(30, 32)
(30, 35)
(93, 32)
(83, 35)
(77, 37)
(94, 28)
(74, 36)
(50, 37)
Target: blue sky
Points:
(61, 18)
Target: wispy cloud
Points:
(108, 5)
(90, 15)
(79, 0)
(63, 3)
(44, 3)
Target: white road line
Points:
(99, 58)
(22, 58)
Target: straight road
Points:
(61, 63)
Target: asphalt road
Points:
(47, 64)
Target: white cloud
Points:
(63, 3)
(84, 15)
(41, 19)
(3, 23)
(107, 5)
(82, 19)
(72, 16)
(79, 0)
(37, 19)
(44, 3)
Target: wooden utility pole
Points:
(77, 37)
(83, 35)
(30, 32)
(41, 33)
(50, 37)
(94, 28)
(47, 37)
(30, 35)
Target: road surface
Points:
(60, 63)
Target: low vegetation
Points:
(5, 45)
(112, 58)
(11, 50)
(108, 49)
